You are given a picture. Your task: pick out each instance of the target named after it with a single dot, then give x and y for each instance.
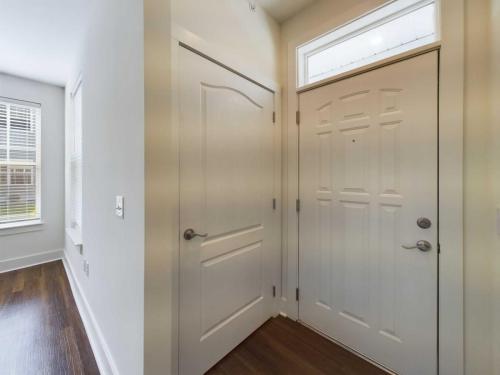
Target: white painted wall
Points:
(112, 68)
(478, 199)
(251, 37)
(162, 194)
(48, 237)
(495, 172)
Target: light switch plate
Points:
(119, 209)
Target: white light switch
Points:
(119, 209)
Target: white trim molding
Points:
(75, 236)
(100, 348)
(19, 227)
(222, 55)
(451, 192)
(13, 264)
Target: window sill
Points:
(21, 227)
(75, 236)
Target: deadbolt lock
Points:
(424, 223)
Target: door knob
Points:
(189, 234)
(423, 246)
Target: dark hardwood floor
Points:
(282, 346)
(41, 331)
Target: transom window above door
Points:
(394, 28)
(19, 162)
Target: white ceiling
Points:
(40, 39)
(281, 10)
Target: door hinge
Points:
(297, 294)
(274, 117)
(297, 205)
(274, 291)
(439, 248)
(297, 117)
(274, 203)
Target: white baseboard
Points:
(99, 346)
(30, 260)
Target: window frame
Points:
(28, 225)
(73, 228)
(355, 27)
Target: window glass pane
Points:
(389, 35)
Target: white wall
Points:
(113, 164)
(48, 237)
(478, 199)
(495, 172)
(160, 309)
(251, 37)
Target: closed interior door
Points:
(226, 195)
(368, 172)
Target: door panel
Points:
(226, 192)
(232, 123)
(368, 171)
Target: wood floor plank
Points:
(282, 346)
(41, 331)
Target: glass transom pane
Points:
(386, 32)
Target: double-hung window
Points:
(20, 128)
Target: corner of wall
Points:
(495, 170)
(160, 171)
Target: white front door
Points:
(368, 172)
(226, 195)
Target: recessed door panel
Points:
(234, 158)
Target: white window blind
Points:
(76, 162)
(20, 124)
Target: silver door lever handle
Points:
(424, 246)
(189, 234)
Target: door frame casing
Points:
(450, 165)
(181, 36)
